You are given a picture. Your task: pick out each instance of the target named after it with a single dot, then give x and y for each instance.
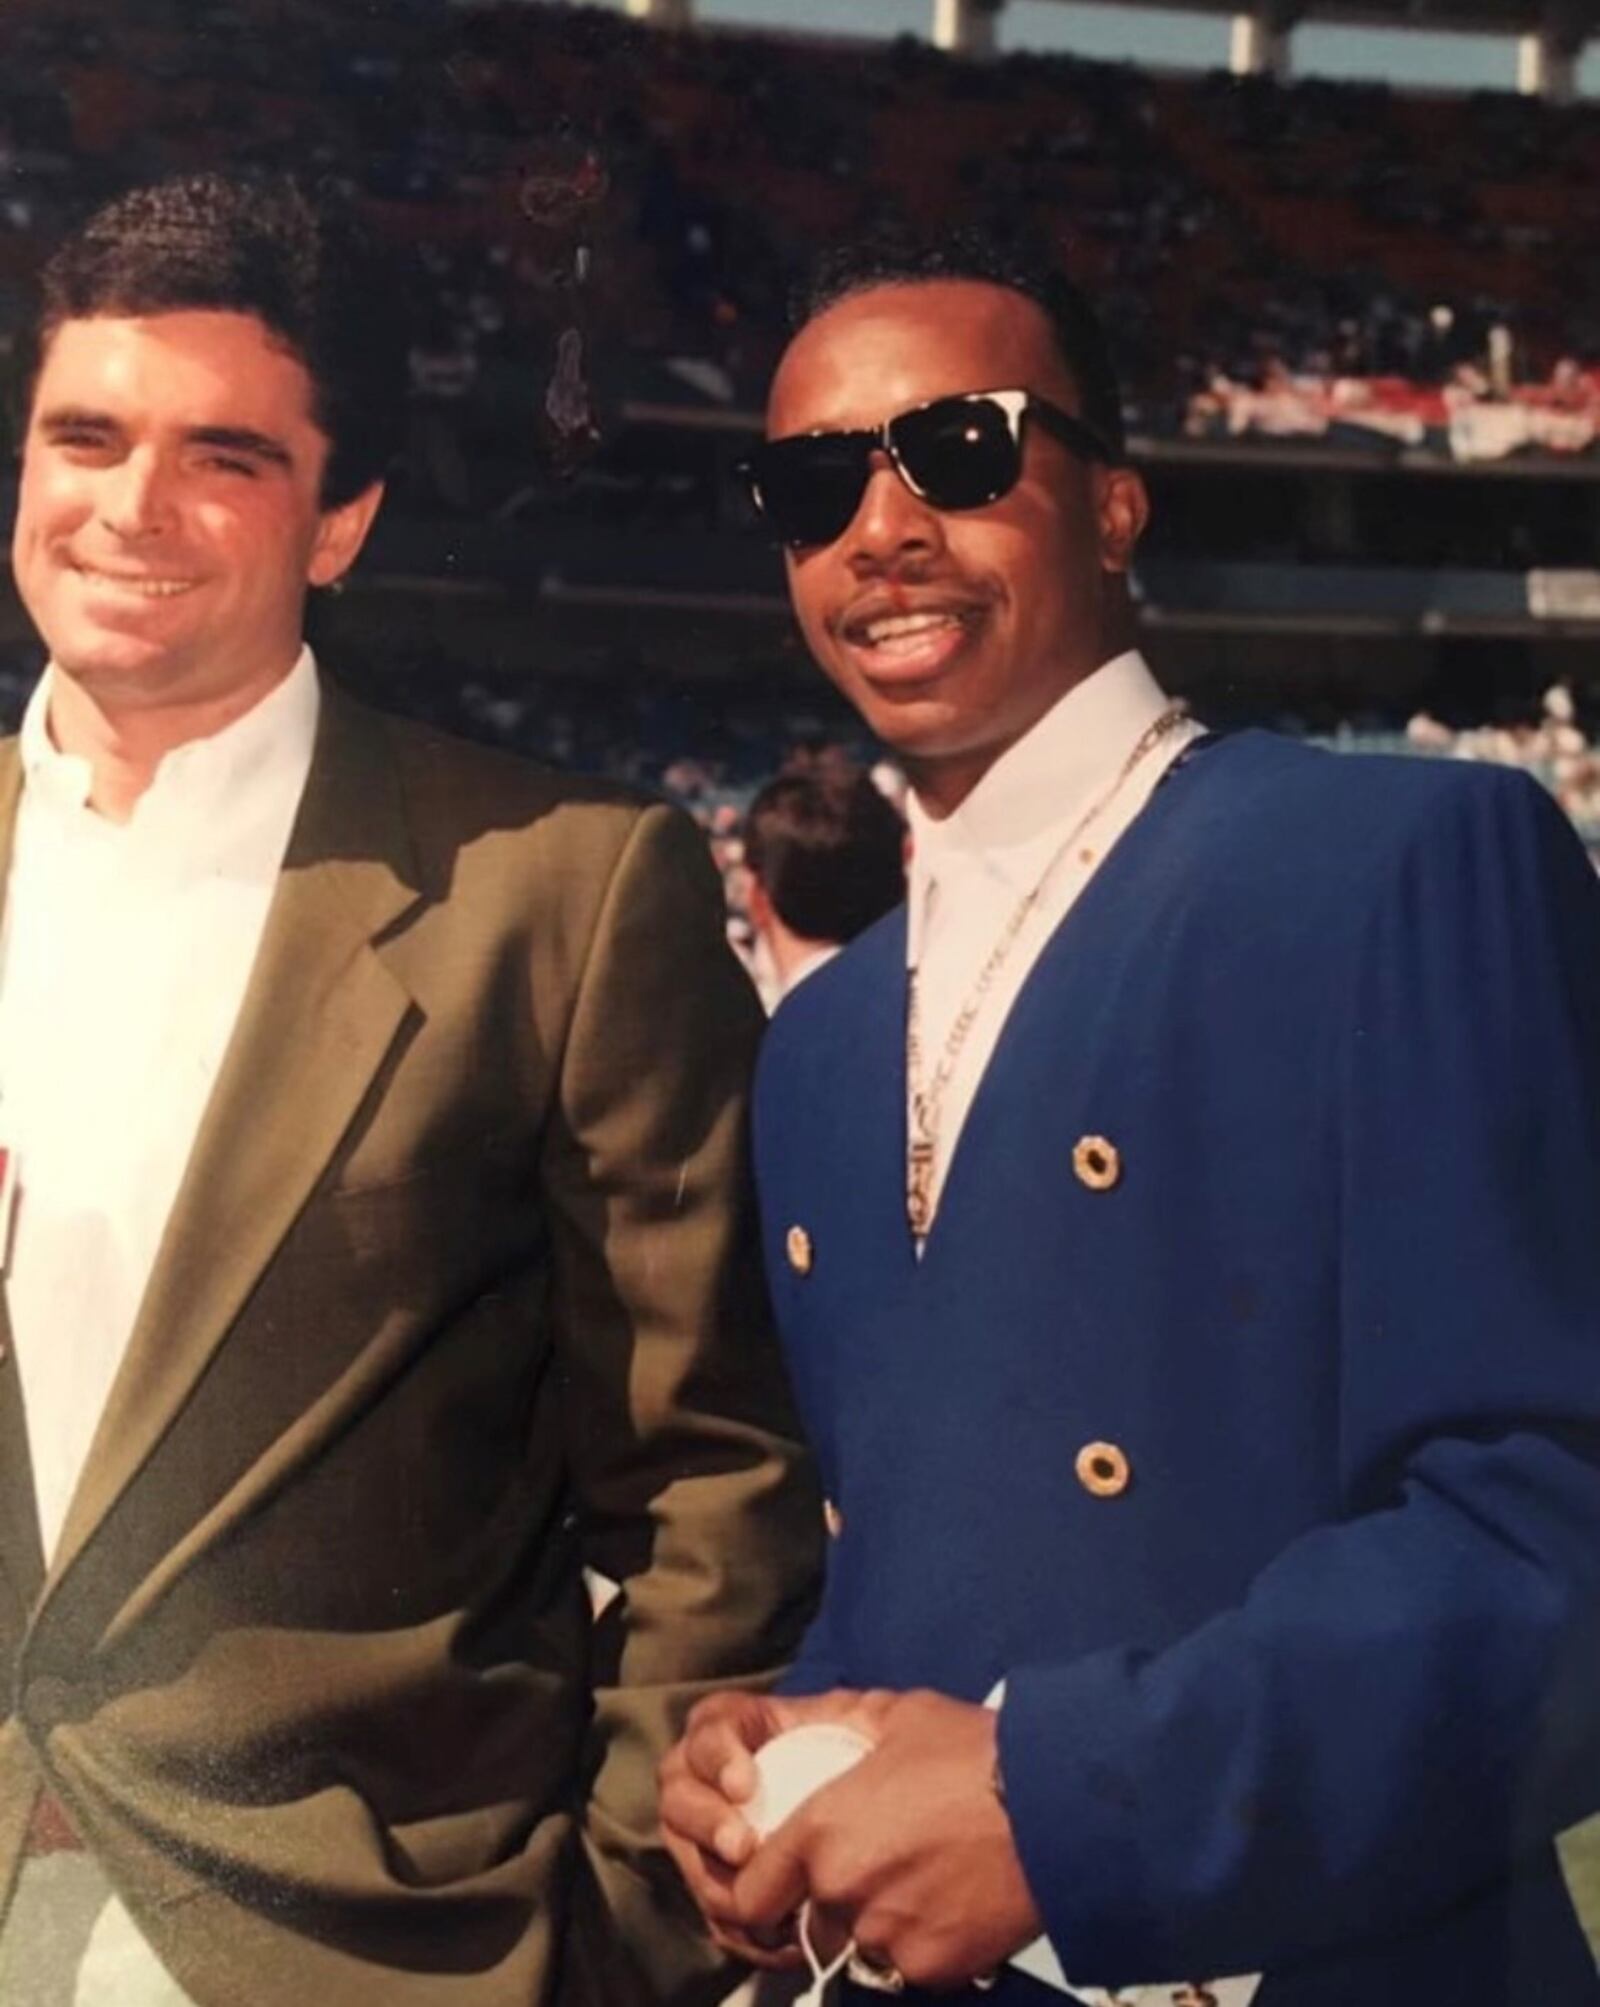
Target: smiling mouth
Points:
(905, 630)
(915, 642)
(140, 584)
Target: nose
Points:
(135, 497)
(891, 522)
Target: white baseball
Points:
(794, 1764)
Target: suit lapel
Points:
(21, 1556)
(319, 1014)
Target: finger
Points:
(798, 1710)
(701, 1815)
(719, 1760)
(785, 1957)
(747, 1716)
(721, 1737)
(773, 1884)
(866, 1711)
(708, 1881)
(774, 1950)
(872, 1709)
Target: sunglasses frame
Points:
(1014, 405)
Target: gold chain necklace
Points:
(926, 1100)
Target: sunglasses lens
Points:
(959, 452)
(809, 488)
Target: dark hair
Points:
(254, 244)
(893, 256)
(829, 851)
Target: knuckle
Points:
(831, 1882)
(704, 1754)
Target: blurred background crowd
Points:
(1328, 300)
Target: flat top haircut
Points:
(256, 244)
(829, 851)
(892, 256)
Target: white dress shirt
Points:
(971, 869)
(124, 955)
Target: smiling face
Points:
(169, 520)
(953, 632)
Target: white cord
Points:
(822, 1976)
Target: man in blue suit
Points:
(1184, 1219)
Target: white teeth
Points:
(901, 626)
(145, 588)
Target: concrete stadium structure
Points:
(1551, 35)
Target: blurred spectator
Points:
(1555, 750)
(825, 854)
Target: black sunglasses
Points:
(955, 453)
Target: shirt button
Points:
(797, 1246)
(1103, 1470)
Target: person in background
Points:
(825, 858)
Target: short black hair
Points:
(893, 255)
(829, 851)
(257, 244)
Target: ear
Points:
(340, 534)
(1124, 511)
(757, 904)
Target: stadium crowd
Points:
(630, 208)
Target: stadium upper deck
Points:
(566, 168)
(605, 218)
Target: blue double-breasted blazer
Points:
(1303, 1665)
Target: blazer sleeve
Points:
(691, 1490)
(1407, 1700)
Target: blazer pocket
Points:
(445, 1221)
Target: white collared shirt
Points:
(124, 955)
(971, 869)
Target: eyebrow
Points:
(242, 439)
(75, 418)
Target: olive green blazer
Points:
(459, 1298)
